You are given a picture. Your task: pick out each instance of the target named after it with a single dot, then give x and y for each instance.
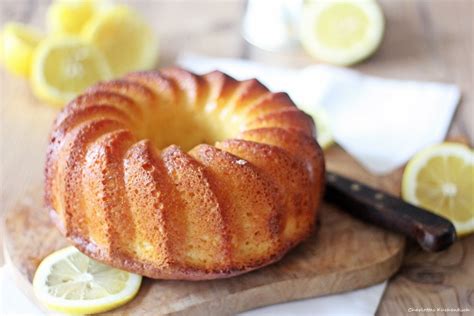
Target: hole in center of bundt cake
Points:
(188, 127)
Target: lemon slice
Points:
(441, 179)
(17, 44)
(65, 66)
(70, 282)
(70, 16)
(341, 32)
(323, 129)
(122, 35)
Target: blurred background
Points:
(429, 40)
(423, 40)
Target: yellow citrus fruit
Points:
(323, 129)
(126, 40)
(341, 32)
(17, 44)
(68, 17)
(65, 66)
(441, 179)
(70, 282)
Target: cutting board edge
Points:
(244, 300)
(233, 302)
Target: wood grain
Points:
(441, 280)
(344, 254)
(424, 39)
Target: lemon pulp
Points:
(441, 179)
(17, 44)
(68, 281)
(342, 26)
(444, 184)
(64, 67)
(71, 69)
(74, 278)
(126, 41)
(341, 32)
(323, 129)
(70, 16)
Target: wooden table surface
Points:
(424, 40)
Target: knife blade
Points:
(432, 232)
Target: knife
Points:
(432, 232)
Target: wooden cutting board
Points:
(344, 254)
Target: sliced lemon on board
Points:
(17, 45)
(126, 40)
(341, 32)
(70, 16)
(323, 129)
(441, 179)
(65, 66)
(70, 282)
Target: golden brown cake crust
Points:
(240, 189)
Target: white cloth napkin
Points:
(380, 122)
(12, 300)
(360, 302)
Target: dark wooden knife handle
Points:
(432, 232)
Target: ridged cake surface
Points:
(173, 175)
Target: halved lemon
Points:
(70, 16)
(17, 44)
(341, 32)
(70, 282)
(126, 40)
(65, 66)
(441, 179)
(323, 129)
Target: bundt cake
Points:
(173, 175)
